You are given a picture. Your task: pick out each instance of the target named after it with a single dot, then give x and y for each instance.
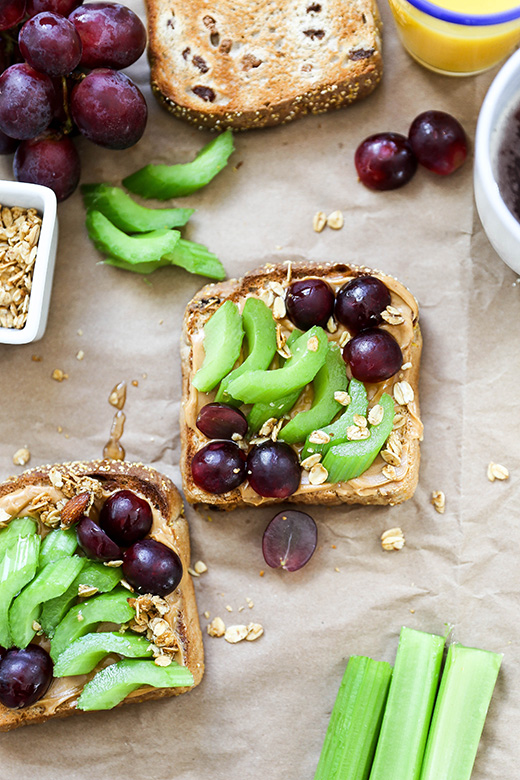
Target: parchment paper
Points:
(263, 707)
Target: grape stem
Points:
(68, 125)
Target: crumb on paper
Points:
(217, 627)
(58, 375)
(254, 631)
(80, 355)
(438, 500)
(200, 567)
(36, 358)
(392, 539)
(497, 471)
(335, 220)
(229, 608)
(207, 615)
(235, 634)
(21, 457)
(319, 221)
(262, 572)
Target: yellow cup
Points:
(455, 43)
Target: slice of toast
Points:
(253, 63)
(41, 493)
(382, 483)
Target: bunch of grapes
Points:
(60, 67)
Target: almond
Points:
(74, 508)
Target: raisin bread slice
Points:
(253, 63)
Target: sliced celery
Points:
(401, 743)
(197, 259)
(173, 181)
(465, 692)
(18, 526)
(355, 721)
(126, 214)
(223, 335)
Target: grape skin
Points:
(52, 162)
(109, 109)
(112, 35)
(50, 44)
(26, 102)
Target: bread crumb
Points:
(21, 457)
(80, 355)
(200, 567)
(36, 359)
(229, 608)
(438, 500)
(217, 627)
(393, 539)
(58, 375)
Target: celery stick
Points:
(466, 688)
(400, 748)
(172, 181)
(355, 721)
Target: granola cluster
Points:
(19, 234)
(149, 619)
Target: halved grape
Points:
(221, 421)
(51, 44)
(125, 517)
(95, 543)
(109, 109)
(112, 35)
(25, 675)
(27, 100)
(218, 467)
(438, 141)
(385, 161)
(289, 540)
(373, 355)
(360, 302)
(273, 469)
(53, 162)
(152, 567)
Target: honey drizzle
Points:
(113, 449)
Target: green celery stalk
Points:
(197, 259)
(465, 692)
(173, 181)
(354, 725)
(401, 743)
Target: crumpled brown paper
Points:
(263, 707)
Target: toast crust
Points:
(373, 487)
(170, 526)
(249, 64)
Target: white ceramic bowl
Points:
(502, 228)
(14, 193)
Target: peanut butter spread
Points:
(66, 690)
(378, 478)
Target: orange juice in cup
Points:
(458, 37)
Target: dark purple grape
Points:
(438, 141)
(109, 109)
(289, 540)
(26, 101)
(11, 12)
(51, 44)
(385, 161)
(373, 355)
(53, 162)
(95, 543)
(309, 302)
(25, 676)
(151, 567)
(62, 7)
(7, 145)
(221, 421)
(112, 35)
(218, 467)
(125, 517)
(360, 302)
(273, 469)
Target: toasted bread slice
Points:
(41, 493)
(382, 483)
(246, 64)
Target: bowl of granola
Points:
(28, 241)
